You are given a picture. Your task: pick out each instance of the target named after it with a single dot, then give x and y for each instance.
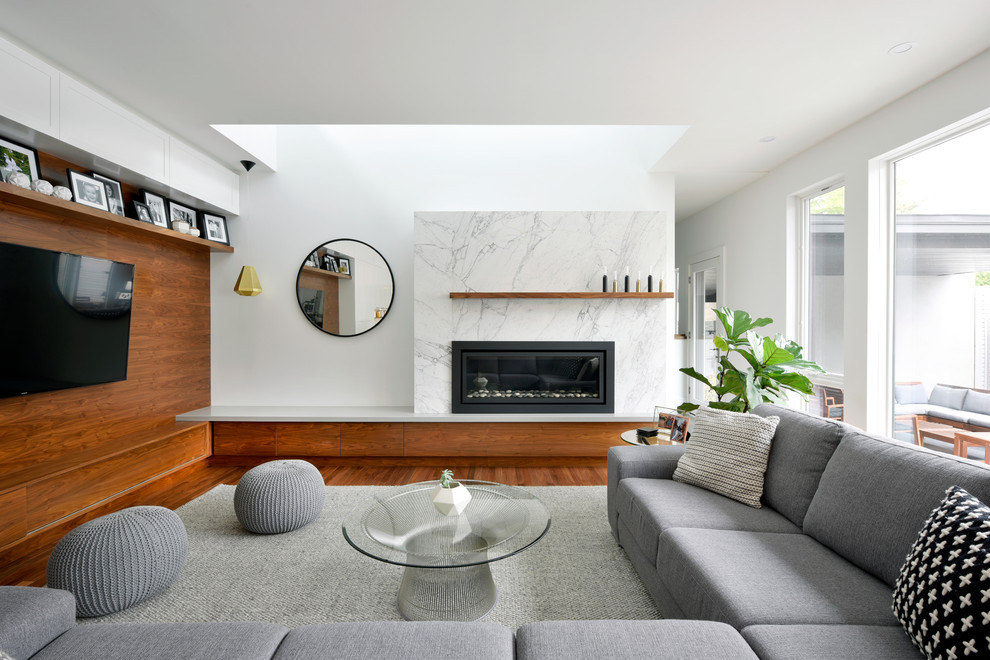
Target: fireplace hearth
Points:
(533, 377)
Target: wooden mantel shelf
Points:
(562, 294)
(325, 273)
(73, 211)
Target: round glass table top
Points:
(401, 526)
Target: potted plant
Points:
(450, 497)
(765, 369)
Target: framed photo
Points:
(88, 191)
(313, 261)
(115, 197)
(215, 228)
(181, 213)
(679, 429)
(18, 158)
(143, 213)
(345, 265)
(156, 204)
(671, 423)
(330, 263)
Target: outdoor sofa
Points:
(811, 574)
(963, 408)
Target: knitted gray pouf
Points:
(120, 559)
(279, 496)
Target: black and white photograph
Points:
(156, 204)
(143, 213)
(330, 263)
(17, 158)
(313, 261)
(88, 191)
(115, 197)
(215, 228)
(345, 265)
(181, 213)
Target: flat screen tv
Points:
(65, 320)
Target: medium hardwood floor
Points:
(24, 562)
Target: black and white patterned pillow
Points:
(728, 454)
(942, 595)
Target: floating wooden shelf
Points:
(73, 211)
(562, 294)
(324, 273)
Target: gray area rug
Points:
(312, 575)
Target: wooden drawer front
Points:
(307, 439)
(244, 438)
(513, 439)
(64, 494)
(368, 439)
(13, 515)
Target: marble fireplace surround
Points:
(538, 251)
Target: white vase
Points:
(450, 501)
(180, 226)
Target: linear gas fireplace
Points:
(533, 376)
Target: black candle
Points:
(649, 283)
(605, 283)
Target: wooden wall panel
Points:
(384, 439)
(307, 439)
(244, 438)
(61, 495)
(13, 516)
(513, 438)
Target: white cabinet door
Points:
(202, 177)
(103, 128)
(30, 90)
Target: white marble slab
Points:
(538, 251)
(384, 414)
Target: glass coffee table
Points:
(447, 577)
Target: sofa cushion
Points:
(941, 596)
(911, 409)
(875, 495)
(978, 402)
(954, 414)
(31, 617)
(398, 640)
(746, 578)
(166, 641)
(635, 640)
(910, 393)
(818, 641)
(728, 454)
(802, 445)
(650, 506)
(978, 419)
(649, 462)
(947, 397)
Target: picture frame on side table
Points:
(159, 213)
(345, 265)
(181, 213)
(670, 422)
(143, 213)
(115, 196)
(18, 158)
(88, 191)
(215, 228)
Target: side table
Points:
(632, 438)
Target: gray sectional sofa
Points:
(811, 573)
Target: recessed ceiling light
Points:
(900, 48)
(768, 138)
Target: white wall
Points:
(752, 223)
(365, 183)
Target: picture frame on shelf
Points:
(345, 265)
(181, 213)
(115, 196)
(88, 191)
(143, 213)
(215, 228)
(330, 263)
(313, 260)
(18, 158)
(159, 212)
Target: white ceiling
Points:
(732, 71)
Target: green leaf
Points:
(753, 393)
(737, 322)
(793, 381)
(735, 406)
(756, 346)
(693, 373)
(687, 407)
(721, 344)
(799, 365)
(774, 354)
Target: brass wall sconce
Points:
(248, 283)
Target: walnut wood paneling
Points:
(377, 439)
(13, 516)
(307, 439)
(245, 438)
(512, 438)
(61, 495)
(560, 294)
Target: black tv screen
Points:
(65, 320)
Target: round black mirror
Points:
(345, 287)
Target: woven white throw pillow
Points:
(727, 454)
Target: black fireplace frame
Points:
(607, 369)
